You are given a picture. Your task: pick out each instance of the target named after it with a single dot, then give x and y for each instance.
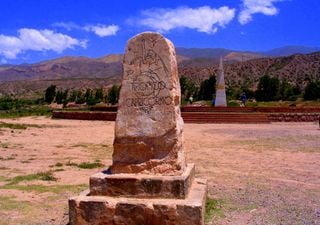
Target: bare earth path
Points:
(258, 174)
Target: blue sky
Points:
(36, 30)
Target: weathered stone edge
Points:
(106, 210)
(142, 186)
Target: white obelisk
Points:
(221, 99)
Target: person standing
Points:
(191, 100)
(243, 98)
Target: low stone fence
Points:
(228, 109)
(287, 109)
(197, 117)
(293, 117)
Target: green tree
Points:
(89, 98)
(286, 90)
(113, 94)
(297, 90)
(207, 88)
(312, 91)
(183, 84)
(188, 88)
(75, 94)
(268, 89)
(50, 93)
(59, 97)
(80, 99)
(88, 94)
(62, 97)
(99, 95)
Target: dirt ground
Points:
(258, 174)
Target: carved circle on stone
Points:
(147, 84)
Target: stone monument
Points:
(149, 181)
(221, 99)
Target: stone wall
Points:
(294, 117)
(110, 116)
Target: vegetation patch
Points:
(46, 176)
(13, 126)
(12, 108)
(69, 163)
(59, 164)
(18, 126)
(81, 145)
(8, 158)
(9, 203)
(57, 189)
(4, 145)
(88, 165)
(3, 178)
(213, 209)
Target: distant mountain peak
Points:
(291, 50)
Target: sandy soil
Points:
(258, 174)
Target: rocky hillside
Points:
(64, 68)
(82, 72)
(297, 69)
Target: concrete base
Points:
(141, 185)
(106, 210)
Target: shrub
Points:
(312, 91)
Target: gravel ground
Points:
(258, 173)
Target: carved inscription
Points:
(147, 86)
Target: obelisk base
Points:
(105, 210)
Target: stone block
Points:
(105, 210)
(149, 127)
(141, 185)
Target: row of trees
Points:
(312, 91)
(205, 91)
(88, 96)
(269, 89)
(272, 89)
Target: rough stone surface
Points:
(103, 210)
(142, 186)
(148, 129)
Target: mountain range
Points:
(298, 64)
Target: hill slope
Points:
(241, 68)
(291, 50)
(297, 69)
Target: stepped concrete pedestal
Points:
(149, 181)
(143, 186)
(141, 199)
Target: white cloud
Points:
(251, 7)
(203, 19)
(67, 25)
(10, 46)
(103, 30)
(36, 40)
